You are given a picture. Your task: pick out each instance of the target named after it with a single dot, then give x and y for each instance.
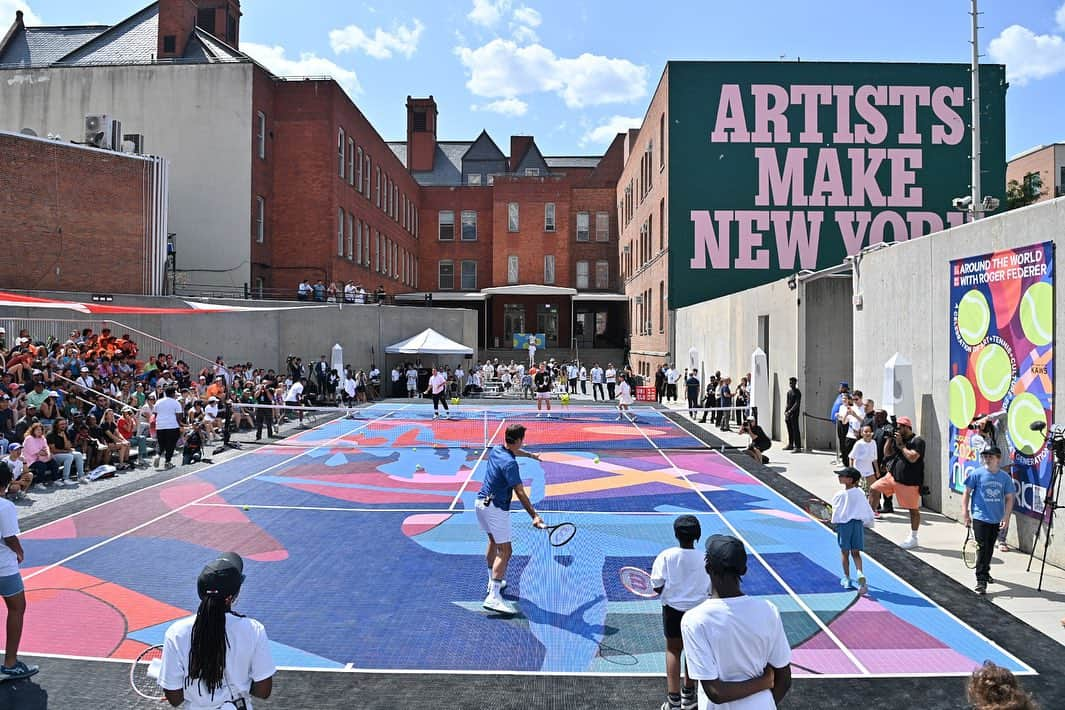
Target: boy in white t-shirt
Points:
(735, 645)
(11, 588)
(851, 514)
(863, 458)
(680, 579)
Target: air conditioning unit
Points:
(133, 143)
(102, 131)
(626, 249)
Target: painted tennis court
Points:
(362, 553)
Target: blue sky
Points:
(574, 72)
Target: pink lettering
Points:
(750, 255)
(766, 114)
(957, 219)
(843, 132)
(731, 123)
(828, 180)
(863, 176)
(778, 186)
(804, 236)
(853, 227)
(909, 97)
(706, 242)
(811, 97)
(953, 129)
(922, 223)
(865, 103)
(903, 191)
(881, 221)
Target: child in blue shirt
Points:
(986, 504)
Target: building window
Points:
(340, 152)
(582, 274)
(469, 275)
(512, 216)
(491, 179)
(512, 269)
(260, 136)
(583, 233)
(377, 251)
(366, 244)
(661, 224)
(549, 217)
(169, 44)
(358, 169)
(469, 225)
(358, 242)
(661, 306)
(366, 176)
(447, 226)
(388, 194)
(473, 179)
(532, 172)
(446, 277)
(662, 141)
(395, 202)
(351, 237)
(351, 161)
(260, 219)
(549, 269)
(377, 185)
(602, 274)
(340, 232)
(259, 287)
(602, 226)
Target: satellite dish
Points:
(28, 132)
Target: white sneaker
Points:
(436, 416)
(499, 605)
(488, 588)
(909, 543)
(155, 462)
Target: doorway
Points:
(547, 323)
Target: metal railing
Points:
(247, 292)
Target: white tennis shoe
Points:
(488, 588)
(499, 605)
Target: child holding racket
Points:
(986, 503)
(679, 576)
(851, 514)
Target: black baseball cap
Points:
(850, 472)
(222, 576)
(991, 451)
(725, 553)
(688, 526)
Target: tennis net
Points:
(396, 426)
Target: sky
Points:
(573, 73)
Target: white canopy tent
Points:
(428, 342)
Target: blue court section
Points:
(362, 551)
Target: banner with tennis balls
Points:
(1002, 365)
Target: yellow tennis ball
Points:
(1023, 410)
(962, 401)
(974, 317)
(247, 507)
(994, 372)
(596, 459)
(1037, 313)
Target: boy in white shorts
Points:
(680, 578)
(501, 481)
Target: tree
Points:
(1020, 193)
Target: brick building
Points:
(80, 219)
(1044, 166)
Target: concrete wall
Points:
(197, 116)
(906, 309)
(267, 337)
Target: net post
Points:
(484, 436)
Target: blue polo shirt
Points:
(989, 491)
(501, 477)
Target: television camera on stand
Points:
(1056, 439)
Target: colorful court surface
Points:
(362, 552)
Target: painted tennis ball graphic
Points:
(974, 317)
(1023, 410)
(1037, 313)
(962, 401)
(994, 372)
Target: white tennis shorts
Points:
(543, 395)
(494, 521)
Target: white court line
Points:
(167, 514)
(516, 511)
(350, 668)
(791, 592)
(487, 446)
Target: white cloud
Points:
(488, 12)
(1060, 16)
(525, 35)
(527, 16)
(605, 132)
(503, 69)
(1028, 56)
(402, 40)
(507, 107)
(309, 64)
(7, 14)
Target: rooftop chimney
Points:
(178, 19)
(519, 146)
(421, 134)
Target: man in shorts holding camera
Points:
(904, 460)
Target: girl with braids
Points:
(217, 659)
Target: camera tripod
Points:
(1050, 504)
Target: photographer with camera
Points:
(760, 441)
(904, 460)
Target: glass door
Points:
(547, 323)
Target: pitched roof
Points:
(135, 39)
(41, 46)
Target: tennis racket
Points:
(819, 509)
(969, 548)
(144, 673)
(638, 582)
(559, 535)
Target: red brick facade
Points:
(72, 218)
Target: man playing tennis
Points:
(493, 512)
